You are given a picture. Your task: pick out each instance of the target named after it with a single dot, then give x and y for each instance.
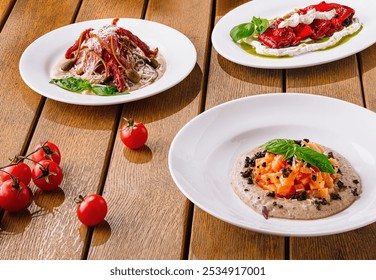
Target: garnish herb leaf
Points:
(279, 146)
(72, 84)
(261, 24)
(241, 31)
(79, 85)
(107, 90)
(315, 158)
(244, 30)
(289, 148)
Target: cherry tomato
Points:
(46, 150)
(133, 134)
(92, 209)
(20, 170)
(47, 175)
(15, 196)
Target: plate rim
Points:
(106, 100)
(247, 227)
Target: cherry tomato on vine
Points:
(92, 209)
(15, 196)
(47, 175)
(20, 170)
(133, 134)
(46, 150)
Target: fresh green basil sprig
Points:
(289, 148)
(79, 85)
(244, 30)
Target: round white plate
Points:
(39, 58)
(270, 9)
(203, 152)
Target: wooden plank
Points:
(368, 71)
(149, 214)
(5, 8)
(212, 238)
(19, 104)
(84, 135)
(345, 84)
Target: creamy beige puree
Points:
(258, 198)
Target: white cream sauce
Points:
(308, 18)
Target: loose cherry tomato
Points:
(133, 134)
(15, 196)
(20, 170)
(47, 175)
(46, 150)
(92, 209)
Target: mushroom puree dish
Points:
(316, 27)
(295, 180)
(110, 60)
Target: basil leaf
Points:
(279, 146)
(315, 158)
(107, 90)
(241, 31)
(289, 148)
(290, 152)
(72, 84)
(261, 24)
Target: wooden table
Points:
(149, 218)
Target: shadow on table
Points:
(139, 156)
(15, 223)
(169, 102)
(101, 117)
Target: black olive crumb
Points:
(246, 174)
(330, 155)
(270, 194)
(341, 185)
(314, 178)
(246, 190)
(260, 154)
(250, 181)
(355, 192)
(356, 181)
(298, 142)
(306, 140)
(286, 172)
(335, 196)
(263, 164)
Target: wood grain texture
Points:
(368, 71)
(84, 135)
(340, 79)
(212, 238)
(16, 98)
(5, 8)
(149, 214)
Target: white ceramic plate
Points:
(270, 9)
(39, 58)
(203, 152)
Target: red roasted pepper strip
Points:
(144, 47)
(69, 53)
(114, 71)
